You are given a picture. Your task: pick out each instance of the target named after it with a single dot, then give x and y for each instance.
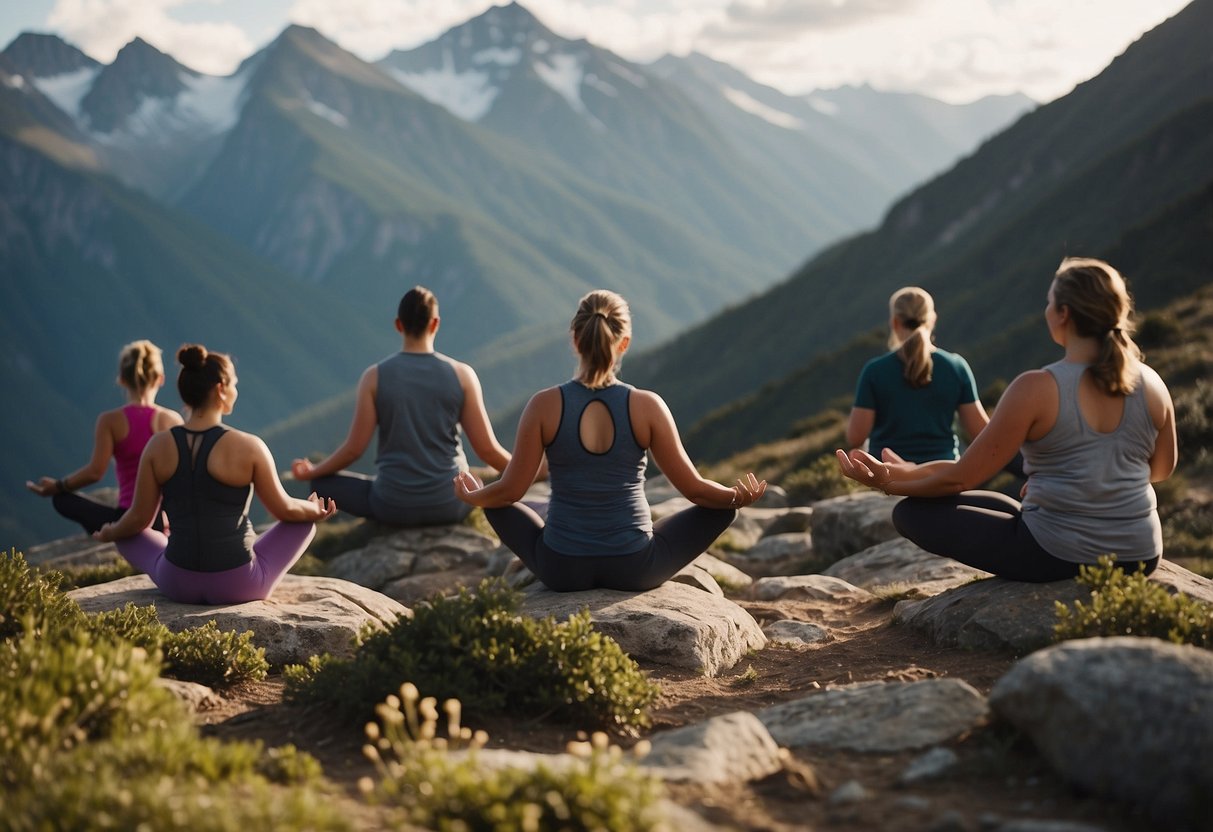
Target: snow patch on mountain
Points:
(498, 56)
(563, 74)
(633, 78)
(209, 105)
(468, 95)
(823, 106)
(328, 114)
(743, 101)
(68, 89)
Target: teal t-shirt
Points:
(915, 422)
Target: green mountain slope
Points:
(1068, 178)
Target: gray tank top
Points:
(1089, 493)
(418, 404)
(598, 505)
(211, 531)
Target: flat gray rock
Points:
(734, 748)
(796, 632)
(673, 624)
(900, 564)
(997, 614)
(305, 616)
(1127, 718)
(807, 587)
(878, 716)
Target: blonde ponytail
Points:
(914, 309)
(140, 364)
(602, 321)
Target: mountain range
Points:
(1121, 168)
(278, 213)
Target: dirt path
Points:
(999, 775)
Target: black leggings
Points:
(91, 514)
(985, 530)
(677, 540)
(354, 494)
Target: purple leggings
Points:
(274, 553)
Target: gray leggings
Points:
(677, 540)
(985, 530)
(355, 494)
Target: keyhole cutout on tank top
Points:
(193, 441)
(597, 428)
(1101, 412)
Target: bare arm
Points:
(274, 497)
(859, 426)
(362, 428)
(655, 429)
(1162, 413)
(103, 452)
(973, 418)
(155, 467)
(538, 423)
(475, 421)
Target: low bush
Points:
(102, 573)
(820, 480)
(1133, 605)
(475, 647)
(443, 783)
(31, 600)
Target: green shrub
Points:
(476, 648)
(1158, 329)
(211, 656)
(1194, 422)
(1133, 605)
(33, 598)
(442, 786)
(102, 573)
(820, 480)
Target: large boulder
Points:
(305, 616)
(1127, 718)
(998, 614)
(778, 554)
(899, 563)
(878, 716)
(851, 523)
(673, 625)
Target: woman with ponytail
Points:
(206, 474)
(906, 399)
(1096, 428)
(120, 434)
(595, 432)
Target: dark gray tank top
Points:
(598, 505)
(211, 531)
(419, 402)
(1089, 493)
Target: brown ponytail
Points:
(139, 365)
(915, 310)
(1101, 308)
(417, 308)
(200, 372)
(602, 321)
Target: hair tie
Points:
(1114, 331)
(912, 323)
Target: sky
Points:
(954, 50)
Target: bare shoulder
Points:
(546, 400)
(1152, 381)
(166, 418)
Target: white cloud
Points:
(102, 27)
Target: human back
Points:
(419, 400)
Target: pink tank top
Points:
(128, 451)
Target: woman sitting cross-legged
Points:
(206, 474)
(1096, 428)
(595, 432)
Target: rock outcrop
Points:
(1127, 718)
(305, 617)
(673, 625)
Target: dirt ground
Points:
(999, 776)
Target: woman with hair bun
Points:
(595, 432)
(206, 473)
(120, 434)
(906, 399)
(1096, 429)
